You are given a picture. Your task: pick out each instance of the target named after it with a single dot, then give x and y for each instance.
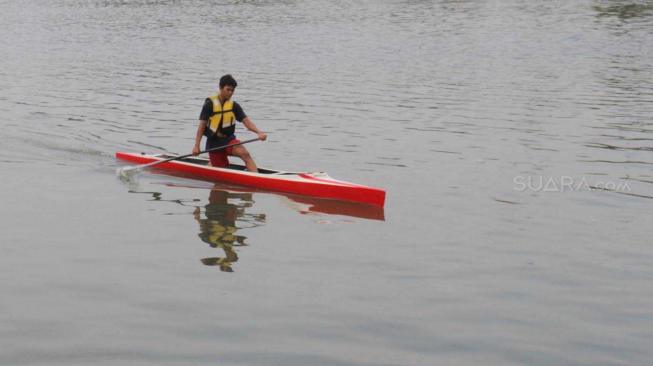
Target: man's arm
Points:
(198, 137)
(249, 124)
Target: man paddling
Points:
(218, 123)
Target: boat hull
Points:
(305, 184)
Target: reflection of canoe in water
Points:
(318, 185)
(301, 204)
(307, 205)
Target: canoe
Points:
(319, 184)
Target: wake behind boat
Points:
(318, 184)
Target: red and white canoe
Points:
(307, 184)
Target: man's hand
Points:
(262, 136)
(196, 150)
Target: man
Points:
(218, 123)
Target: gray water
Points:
(514, 140)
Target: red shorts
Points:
(219, 158)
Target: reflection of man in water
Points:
(218, 229)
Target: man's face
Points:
(226, 92)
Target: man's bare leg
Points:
(241, 152)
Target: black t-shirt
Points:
(207, 111)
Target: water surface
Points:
(513, 139)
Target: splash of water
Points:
(128, 174)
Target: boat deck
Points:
(205, 162)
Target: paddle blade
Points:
(127, 172)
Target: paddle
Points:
(126, 171)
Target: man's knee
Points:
(242, 153)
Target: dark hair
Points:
(228, 80)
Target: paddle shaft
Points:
(187, 155)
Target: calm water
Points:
(514, 139)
